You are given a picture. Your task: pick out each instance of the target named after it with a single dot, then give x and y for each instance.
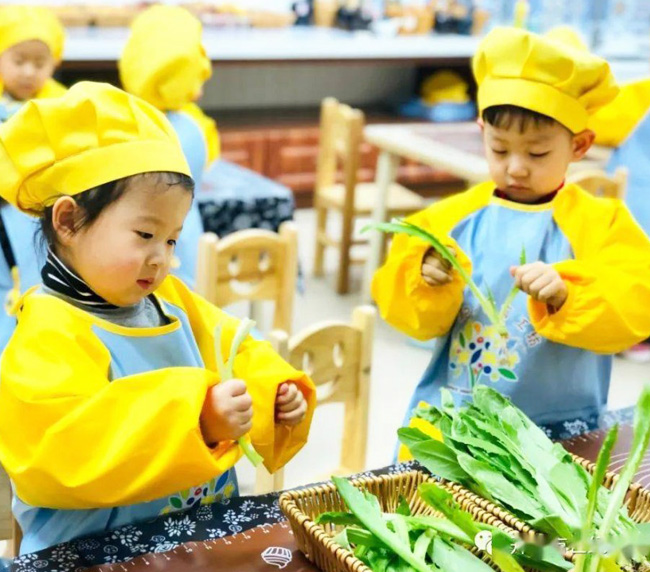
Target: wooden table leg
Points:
(387, 164)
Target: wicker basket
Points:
(303, 506)
(637, 501)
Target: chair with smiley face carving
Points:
(251, 265)
(338, 357)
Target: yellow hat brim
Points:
(78, 173)
(535, 96)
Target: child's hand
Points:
(436, 271)
(290, 405)
(542, 282)
(227, 412)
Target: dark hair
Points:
(503, 116)
(95, 200)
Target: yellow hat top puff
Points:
(93, 134)
(164, 61)
(20, 23)
(517, 67)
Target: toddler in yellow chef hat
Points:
(112, 410)
(31, 46)
(165, 64)
(586, 282)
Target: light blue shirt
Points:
(634, 154)
(130, 355)
(195, 150)
(548, 381)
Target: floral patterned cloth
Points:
(233, 198)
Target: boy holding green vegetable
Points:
(586, 287)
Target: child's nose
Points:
(517, 167)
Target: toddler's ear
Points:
(65, 217)
(582, 142)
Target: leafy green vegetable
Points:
(504, 457)
(226, 373)
(604, 456)
(368, 512)
(397, 542)
(486, 301)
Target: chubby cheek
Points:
(498, 172)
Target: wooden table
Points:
(453, 147)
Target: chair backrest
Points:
(9, 529)
(338, 357)
(341, 136)
(600, 184)
(251, 265)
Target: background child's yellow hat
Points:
(164, 61)
(23, 23)
(94, 134)
(516, 67)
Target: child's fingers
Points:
(293, 404)
(539, 284)
(288, 395)
(242, 402)
(436, 274)
(293, 417)
(243, 429)
(284, 388)
(235, 387)
(550, 293)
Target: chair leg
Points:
(266, 482)
(343, 280)
(321, 229)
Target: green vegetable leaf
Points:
(452, 557)
(341, 518)
(371, 517)
(637, 451)
(437, 457)
(403, 508)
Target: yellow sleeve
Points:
(258, 365)
(614, 122)
(404, 299)
(72, 439)
(608, 281)
(208, 128)
(52, 88)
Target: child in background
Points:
(31, 45)
(111, 410)
(585, 288)
(164, 63)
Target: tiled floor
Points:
(397, 367)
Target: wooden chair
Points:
(251, 265)
(9, 529)
(338, 357)
(600, 184)
(341, 135)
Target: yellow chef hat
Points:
(22, 23)
(444, 86)
(568, 36)
(516, 67)
(92, 135)
(164, 61)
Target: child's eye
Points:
(538, 155)
(499, 151)
(171, 242)
(145, 235)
